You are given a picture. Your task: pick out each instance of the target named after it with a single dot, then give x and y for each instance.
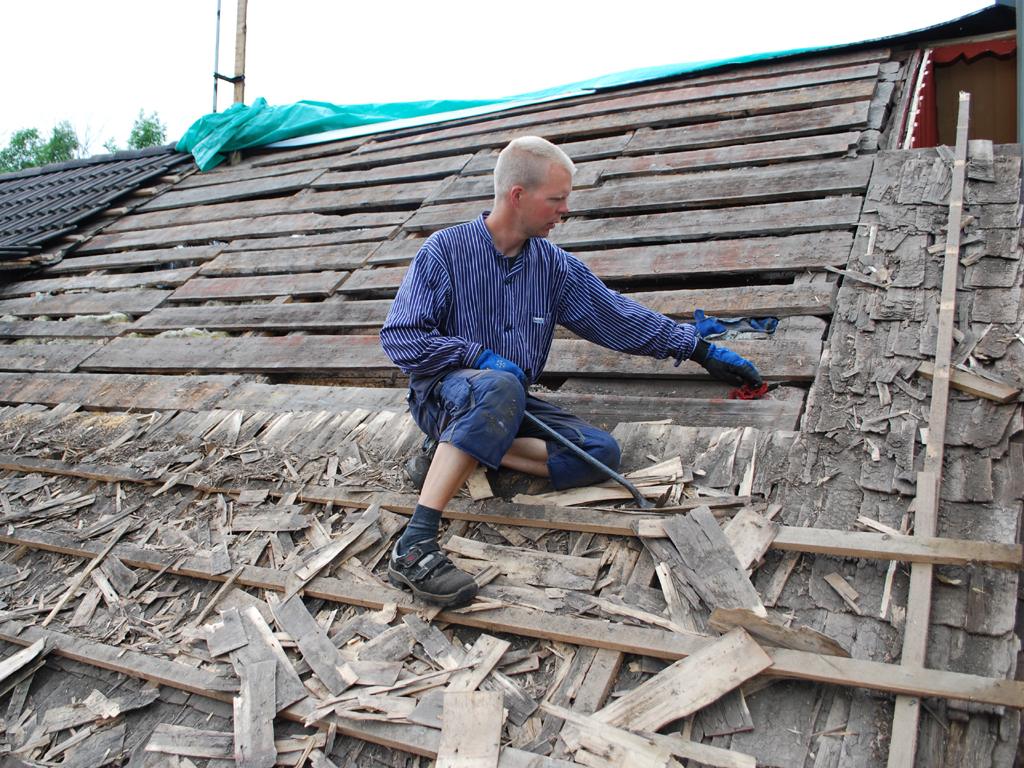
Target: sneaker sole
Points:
(445, 601)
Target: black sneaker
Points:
(428, 572)
(418, 466)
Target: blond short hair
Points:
(525, 162)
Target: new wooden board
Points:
(311, 285)
(783, 359)
(53, 358)
(688, 685)
(289, 261)
(68, 305)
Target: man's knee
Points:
(567, 470)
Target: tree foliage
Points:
(147, 132)
(28, 148)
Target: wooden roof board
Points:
(323, 354)
(59, 358)
(237, 190)
(165, 278)
(67, 329)
(146, 393)
(70, 304)
(323, 258)
(708, 93)
(305, 285)
(132, 259)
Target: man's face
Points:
(542, 209)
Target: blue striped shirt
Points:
(461, 296)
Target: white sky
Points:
(98, 63)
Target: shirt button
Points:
(508, 328)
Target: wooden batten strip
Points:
(784, 359)
(903, 745)
(589, 632)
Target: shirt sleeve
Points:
(591, 310)
(412, 335)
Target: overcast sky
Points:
(98, 63)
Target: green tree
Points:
(147, 131)
(28, 149)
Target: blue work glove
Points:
(725, 365)
(493, 362)
(709, 327)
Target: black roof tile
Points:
(40, 204)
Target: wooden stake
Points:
(903, 745)
(240, 51)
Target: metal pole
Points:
(240, 52)
(1020, 71)
(216, 59)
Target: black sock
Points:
(424, 527)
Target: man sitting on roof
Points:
(472, 325)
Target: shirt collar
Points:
(486, 233)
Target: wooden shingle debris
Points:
(254, 710)
(471, 733)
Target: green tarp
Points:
(241, 126)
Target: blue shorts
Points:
(481, 413)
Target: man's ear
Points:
(515, 195)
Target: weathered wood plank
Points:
(437, 168)
(101, 391)
(226, 192)
(228, 229)
(770, 633)
(731, 187)
(560, 130)
(757, 254)
(688, 685)
(201, 214)
(329, 317)
(324, 258)
(66, 329)
(538, 568)
(167, 278)
(706, 551)
(748, 221)
(793, 124)
(343, 238)
(737, 186)
(75, 264)
(384, 279)
(52, 358)
(599, 634)
(308, 285)
(755, 301)
(471, 729)
(128, 302)
(813, 147)
(775, 359)
(710, 99)
(695, 412)
(318, 651)
(254, 713)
